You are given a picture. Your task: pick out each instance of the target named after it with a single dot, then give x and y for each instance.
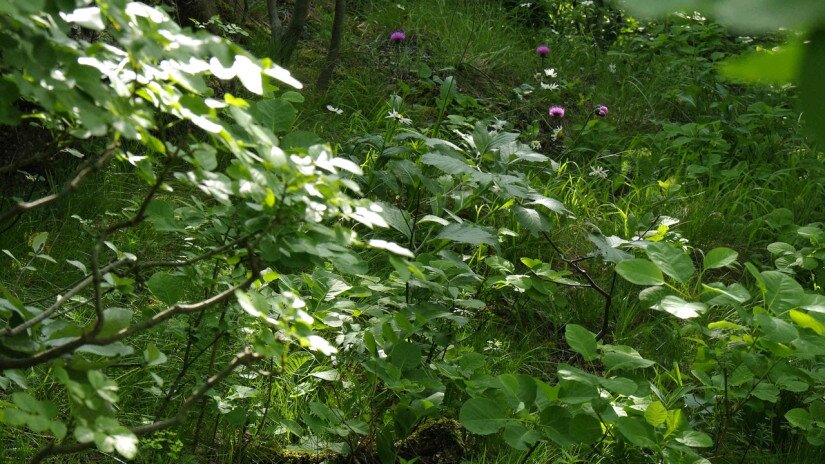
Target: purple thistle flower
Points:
(556, 112)
(398, 36)
(601, 110)
(542, 50)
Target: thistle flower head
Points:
(601, 110)
(542, 50)
(556, 112)
(398, 37)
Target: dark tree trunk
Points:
(293, 33)
(334, 44)
(275, 26)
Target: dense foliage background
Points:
(482, 232)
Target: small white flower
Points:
(557, 133)
(537, 75)
(612, 68)
(550, 86)
(526, 5)
(498, 124)
(550, 72)
(535, 145)
(334, 109)
(598, 171)
(398, 117)
(587, 3)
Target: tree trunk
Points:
(275, 26)
(293, 32)
(334, 45)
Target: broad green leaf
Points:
(782, 292)
(162, 215)
(581, 341)
(695, 439)
(623, 357)
(671, 260)
(448, 164)
(110, 350)
(166, 287)
(406, 355)
(656, 414)
(153, 355)
(636, 431)
(520, 387)
(719, 257)
(799, 417)
(38, 241)
(640, 272)
(483, 416)
(779, 66)
(680, 308)
(468, 233)
(725, 295)
(519, 437)
(275, 114)
(585, 428)
(532, 220)
(114, 320)
(807, 321)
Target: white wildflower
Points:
(550, 72)
(550, 86)
(334, 109)
(612, 68)
(398, 117)
(557, 133)
(598, 171)
(535, 145)
(498, 124)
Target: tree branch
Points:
(245, 357)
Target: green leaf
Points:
(468, 233)
(167, 287)
(448, 164)
(406, 355)
(807, 321)
(636, 431)
(623, 357)
(581, 341)
(782, 292)
(779, 66)
(153, 355)
(114, 320)
(679, 307)
(276, 114)
(483, 416)
(671, 260)
(640, 272)
(162, 215)
(719, 257)
(522, 388)
(695, 439)
(531, 220)
(812, 82)
(656, 414)
(517, 436)
(38, 241)
(585, 428)
(725, 295)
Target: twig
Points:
(245, 357)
